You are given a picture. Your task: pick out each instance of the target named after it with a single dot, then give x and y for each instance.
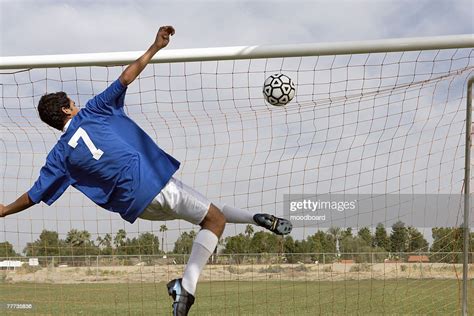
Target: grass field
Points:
(365, 297)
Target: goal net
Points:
(368, 159)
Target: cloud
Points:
(57, 27)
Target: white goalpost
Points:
(242, 52)
(371, 160)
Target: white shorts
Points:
(177, 201)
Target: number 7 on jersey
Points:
(81, 133)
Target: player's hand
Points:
(163, 36)
(2, 210)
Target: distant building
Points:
(418, 259)
(10, 264)
(33, 262)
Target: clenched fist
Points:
(163, 36)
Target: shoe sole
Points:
(283, 226)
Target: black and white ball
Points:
(278, 89)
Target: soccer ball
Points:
(278, 89)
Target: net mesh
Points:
(385, 123)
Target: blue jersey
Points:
(106, 156)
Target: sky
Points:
(67, 27)
(62, 27)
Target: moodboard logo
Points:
(368, 210)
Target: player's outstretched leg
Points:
(182, 290)
(279, 226)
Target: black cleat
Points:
(279, 226)
(182, 299)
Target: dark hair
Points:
(49, 108)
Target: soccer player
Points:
(110, 159)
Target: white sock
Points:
(236, 215)
(203, 246)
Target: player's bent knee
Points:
(214, 221)
(216, 215)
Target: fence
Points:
(249, 258)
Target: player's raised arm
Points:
(22, 203)
(133, 70)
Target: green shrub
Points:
(363, 267)
(237, 270)
(28, 269)
(302, 268)
(271, 269)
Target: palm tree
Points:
(119, 238)
(107, 240)
(100, 241)
(77, 238)
(85, 237)
(163, 229)
(249, 230)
